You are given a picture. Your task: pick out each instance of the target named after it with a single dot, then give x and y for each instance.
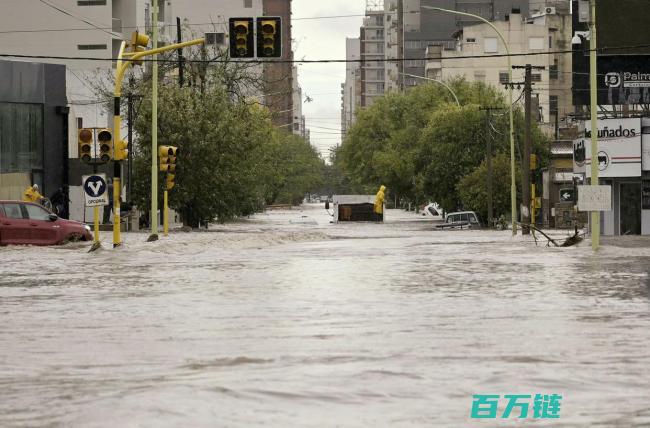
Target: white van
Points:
(461, 219)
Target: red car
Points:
(29, 223)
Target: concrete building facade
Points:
(371, 46)
(542, 33)
(351, 88)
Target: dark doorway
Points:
(630, 208)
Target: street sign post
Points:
(95, 190)
(95, 195)
(594, 198)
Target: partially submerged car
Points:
(28, 223)
(434, 211)
(461, 219)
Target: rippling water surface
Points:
(268, 322)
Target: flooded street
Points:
(277, 323)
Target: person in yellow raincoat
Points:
(31, 194)
(379, 204)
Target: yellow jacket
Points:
(31, 195)
(379, 200)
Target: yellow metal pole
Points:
(96, 219)
(117, 120)
(513, 186)
(532, 206)
(117, 124)
(593, 69)
(165, 214)
(154, 129)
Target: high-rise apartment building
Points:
(371, 39)
(351, 89)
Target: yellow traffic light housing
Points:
(167, 155)
(120, 149)
(241, 38)
(533, 161)
(137, 44)
(86, 142)
(269, 37)
(169, 182)
(105, 141)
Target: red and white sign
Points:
(619, 148)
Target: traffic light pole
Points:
(165, 213)
(96, 244)
(154, 131)
(117, 120)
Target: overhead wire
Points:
(332, 61)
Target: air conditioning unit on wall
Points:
(550, 11)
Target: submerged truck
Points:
(355, 208)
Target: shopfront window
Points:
(630, 208)
(21, 148)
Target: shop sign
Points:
(619, 148)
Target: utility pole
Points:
(400, 44)
(525, 162)
(488, 161)
(593, 84)
(489, 167)
(179, 35)
(526, 199)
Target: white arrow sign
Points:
(95, 190)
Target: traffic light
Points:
(241, 38)
(533, 161)
(138, 43)
(86, 142)
(269, 37)
(170, 181)
(121, 150)
(168, 158)
(105, 141)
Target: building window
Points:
(412, 44)
(215, 38)
(91, 47)
(470, 40)
(248, 4)
(554, 72)
(491, 45)
(414, 63)
(21, 138)
(91, 3)
(553, 103)
(504, 77)
(536, 77)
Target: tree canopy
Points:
(421, 144)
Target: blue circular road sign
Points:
(95, 186)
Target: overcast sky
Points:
(323, 39)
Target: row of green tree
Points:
(425, 147)
(231, 159)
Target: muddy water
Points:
(274, 323)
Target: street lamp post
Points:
(513, 188)
(437, 81)
(593, 69)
